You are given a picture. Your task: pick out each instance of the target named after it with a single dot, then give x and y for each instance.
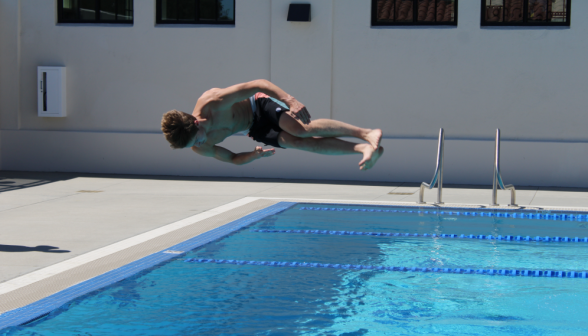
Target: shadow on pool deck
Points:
(10, 184)
(39, 248)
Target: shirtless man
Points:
(271, 116)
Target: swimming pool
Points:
(354, 270)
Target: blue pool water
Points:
(194, 298)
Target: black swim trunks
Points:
(266, 118)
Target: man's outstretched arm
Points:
(226, 155)
(228, 96)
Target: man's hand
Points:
(264, 152)
(298, 110)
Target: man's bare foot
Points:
(370, 157)
(374, 137)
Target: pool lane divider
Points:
(504, 272)
(434, 235)
(42, 307)
(510, 214)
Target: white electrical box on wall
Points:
(51, 91)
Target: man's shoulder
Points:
(210, 95)
(211, 91)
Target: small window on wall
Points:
(414, 12)
(526, 12)
(95, 11)
(196, 12)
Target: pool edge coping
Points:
(87, 257)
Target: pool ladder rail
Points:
(497, 180)
(438, 177)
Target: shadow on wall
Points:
(40, 248)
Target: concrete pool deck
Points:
(48, 218)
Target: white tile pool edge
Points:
(49, 271)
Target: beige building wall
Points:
(409, 81)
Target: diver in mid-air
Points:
(271, 116)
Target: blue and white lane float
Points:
(484, 271)
(467, 212)
(434, 235)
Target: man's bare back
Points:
(261, 107)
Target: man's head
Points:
(181, 129)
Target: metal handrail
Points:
(497, 180)
(438, 177)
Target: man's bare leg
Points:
(332, 146)
(328, 128)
